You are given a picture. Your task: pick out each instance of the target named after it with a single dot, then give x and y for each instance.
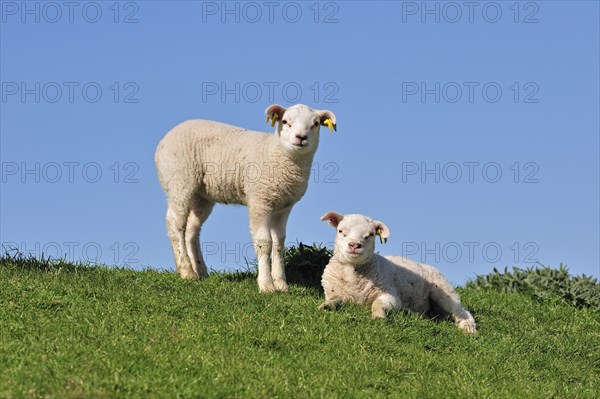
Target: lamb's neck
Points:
(302, 162)
(362, 268)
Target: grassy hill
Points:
(70, 331)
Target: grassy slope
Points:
(96, 332)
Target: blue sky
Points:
(472, 131)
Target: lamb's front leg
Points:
(261, 237)
(383, 304)
(278, 223)
(331, 288)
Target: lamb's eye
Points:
(371, 234)
(340, 231)
(316, 123)
(284, 122)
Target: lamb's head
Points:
(355, 238)
(298, 126)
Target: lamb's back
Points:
(213, 141)
(215, 157)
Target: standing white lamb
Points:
(356, 274)
(202, 162)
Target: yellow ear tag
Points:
(329, 123)
(381, 239)
(274, 118)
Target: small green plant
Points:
(543, 283)
(304, 264)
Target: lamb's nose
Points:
(301, 136)
(355, 245)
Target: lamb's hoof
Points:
(327, 306)
(468, 326)
(266, 287)
(188, 275)
(378, 311)
(202, 272)
(280, 285)
(379, 315)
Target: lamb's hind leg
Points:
(448, 300)
(196, 218)
(177, 217)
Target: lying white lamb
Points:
(356, 274)
(202, 162)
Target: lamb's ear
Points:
(327, 118)
(333, 218)
(274, 113)
(382, 231)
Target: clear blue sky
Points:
(471, 130)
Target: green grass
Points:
(69, 331)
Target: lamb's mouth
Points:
(354, 253)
